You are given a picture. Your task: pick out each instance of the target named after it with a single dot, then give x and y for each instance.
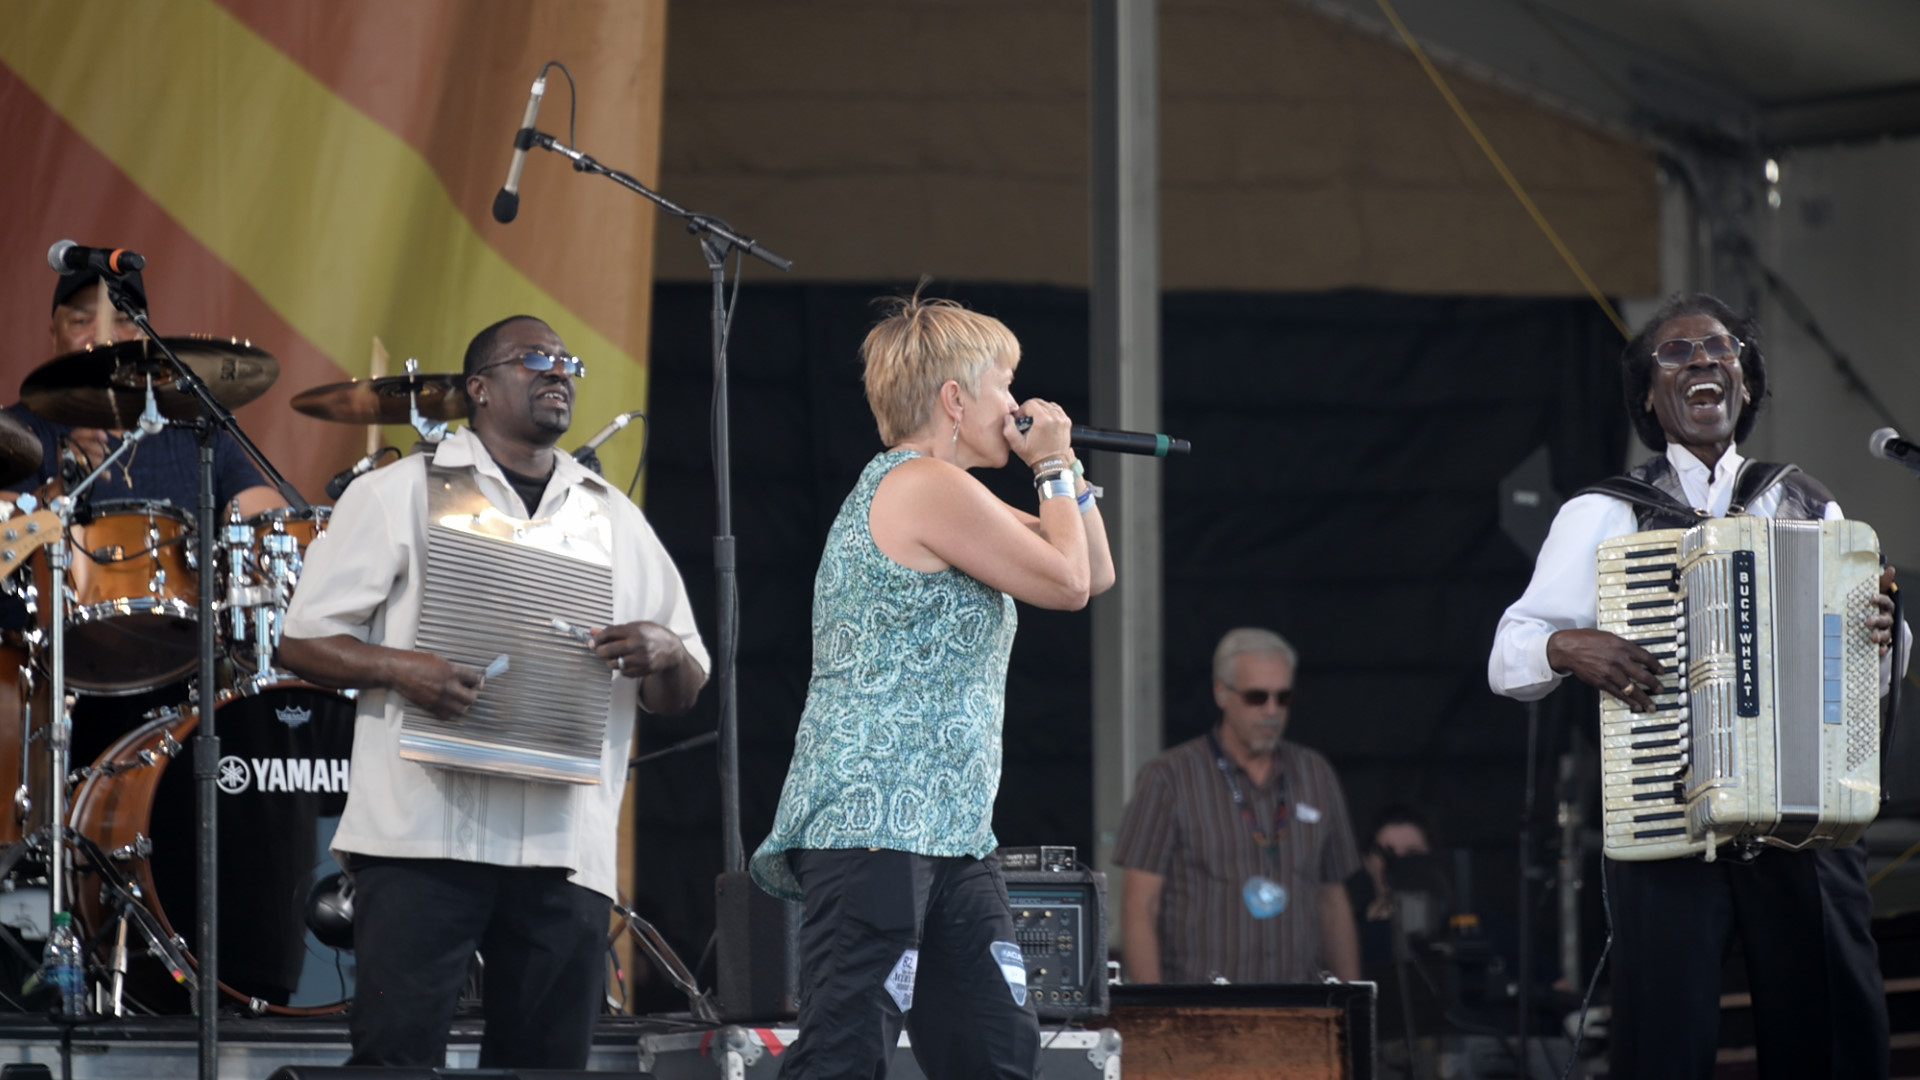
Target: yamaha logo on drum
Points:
(238, 774)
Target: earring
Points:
(955, 443)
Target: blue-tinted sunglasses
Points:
(536, 360)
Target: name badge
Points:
(1308, 813)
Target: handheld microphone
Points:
(1120, 442)
(69, 257)
(347, 476)
(619, 421)
(1887, 445)
(507, 204)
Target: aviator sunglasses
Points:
(1675, 352)
(1255, 698)
(539, 361)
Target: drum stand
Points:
(60, 724)
(214, 418)
(668, 963)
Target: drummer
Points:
(164, 467)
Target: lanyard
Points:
(1269, 843)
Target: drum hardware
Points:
(124, 897)
(20, 537)
(668, 963)
(69, 390)
(265, 553)
(59, 725)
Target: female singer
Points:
(884, 828)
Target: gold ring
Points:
(1627, 690)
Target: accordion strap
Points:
(1756, 479)
(1641, 494)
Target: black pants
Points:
(416, 924)
(1802, 920)
(867, 912)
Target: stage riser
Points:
(251, 1061)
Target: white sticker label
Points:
(1013, 966)
(1309, 813)
(900, 980)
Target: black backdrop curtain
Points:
(1348, 448)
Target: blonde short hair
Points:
(916, 347)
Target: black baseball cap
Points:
(69, 284)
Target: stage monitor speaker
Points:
(757, 952)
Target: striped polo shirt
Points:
(1182, 824)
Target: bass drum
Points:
(283, 780)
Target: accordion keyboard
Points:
(1644, 757)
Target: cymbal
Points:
(20, 453)
(106, 386)
(384, 400)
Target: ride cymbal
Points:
(106, 386)
(385, 400)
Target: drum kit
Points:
(103, 598)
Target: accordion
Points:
(1768, 730)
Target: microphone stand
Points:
(717, 242)
(214, 417)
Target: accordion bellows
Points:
(1769, 729)
(494, 585)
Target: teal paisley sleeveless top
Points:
(899, 744)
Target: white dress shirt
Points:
(1561, 594)
(364, 578)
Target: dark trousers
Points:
(1802, 920)
(864, 911)
(416, 924)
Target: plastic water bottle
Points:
(1265, 897)
(66, 971)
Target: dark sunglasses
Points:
(539, 361)
(1676, 352)
(1258, 697)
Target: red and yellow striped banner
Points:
(312, 175)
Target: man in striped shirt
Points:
(1216, 818)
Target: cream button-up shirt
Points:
(364, 578)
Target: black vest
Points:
(1659, 502)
